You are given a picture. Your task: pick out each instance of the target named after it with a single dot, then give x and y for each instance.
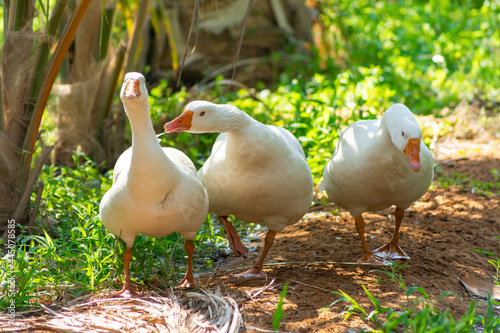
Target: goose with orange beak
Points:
(155, 190)
(256, 172)
(377, 164)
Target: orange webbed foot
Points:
(186, 283)
(390, 251)
(237, 246)
(127, 291)
(370, 259)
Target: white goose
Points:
(377, 164)
(155, 190)
(256, 172)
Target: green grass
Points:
(461, 181)
(496, 263)
(278, 313)
(432, 53)
(420, 314)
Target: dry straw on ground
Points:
(202, 311)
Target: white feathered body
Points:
(155, 190)
(166, 199)
(258, 173)
(368, 173)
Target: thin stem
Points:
(106, 28)
(194, 25)
(240, 41)
(21, 14)
(171, 38)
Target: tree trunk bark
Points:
(16, 51)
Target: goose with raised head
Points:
(155, 190)
(377, 164)
(256, 172)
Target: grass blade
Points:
(278, 314)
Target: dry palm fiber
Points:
(190, 312)
(15, 76)
(74, 118)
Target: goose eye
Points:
(403, 133)
(202, 113)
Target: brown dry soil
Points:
(318, 254)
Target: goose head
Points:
(404, 132)
(206, 117)
(134, 91)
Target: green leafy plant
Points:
(491, 323)
(496, 174)
(416, 46)
(487, 253)
(45, 267)
(496, 263)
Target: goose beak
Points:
(132, 89)
(181, 123)
(412, 151)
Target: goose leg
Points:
(128, 289)
(368, 257)
(392, 250)
(188, 280)
(234, 240)
(256, 271)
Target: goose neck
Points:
(235, 120)
(140, 125)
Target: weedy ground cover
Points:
(420, 313)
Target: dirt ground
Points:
(318, 254)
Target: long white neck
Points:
(149, 167)
(252, 144)
(141, 125)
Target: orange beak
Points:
(412, 151)
(181, 123)
(132, 89)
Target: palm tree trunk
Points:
(21, 122)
